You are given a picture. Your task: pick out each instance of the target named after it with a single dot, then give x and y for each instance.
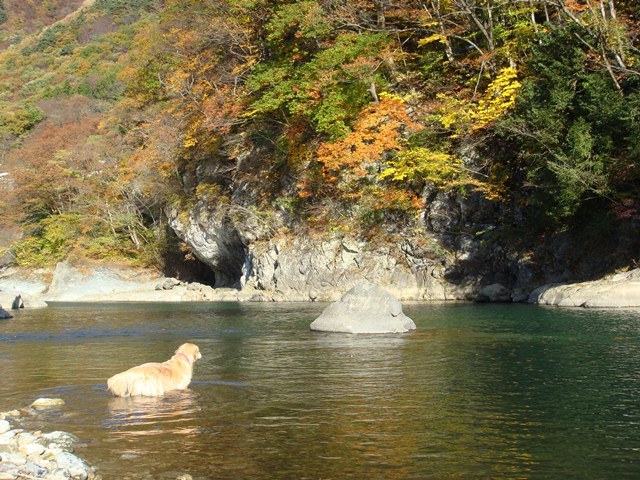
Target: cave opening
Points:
(180, 263)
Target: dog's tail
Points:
(128, 384)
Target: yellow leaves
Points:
(419, 163)
(189, 141)
(499, 98)
(465, 116)
(436, 37)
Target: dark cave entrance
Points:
(180, 263)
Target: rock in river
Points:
(4, 314)
(366, 308)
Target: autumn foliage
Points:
(341, 114)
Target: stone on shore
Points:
(27, 285)
(366, 308)
(618, 291)
(37, 455)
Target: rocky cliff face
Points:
(448, 262)
(458, 256)
(308, 269)
(214, 240)
(244, 254)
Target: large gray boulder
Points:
(617, 291)
(366, 308)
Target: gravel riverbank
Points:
(36, 454)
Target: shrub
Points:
(19, 119)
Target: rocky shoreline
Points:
(620, 290)
(48, 456)
(108, 283)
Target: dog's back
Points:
(132, 382)
(150, 380)
(154, 379)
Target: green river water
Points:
(476, 392)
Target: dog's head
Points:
(190, 350)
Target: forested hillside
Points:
(318, 116)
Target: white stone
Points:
(76, 467)
(48, 402)
(13, 458)
(58, 474)
(4, 426)
(365, 308)
(32, 449)
(615, 292)
(26, 438)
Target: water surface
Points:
(478, 391)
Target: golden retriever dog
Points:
(154, 379)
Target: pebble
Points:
(40, 455)
(47, 402)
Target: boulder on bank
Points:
(8, 297)
(17, 303)
(366, 308)
(617, 291)
(4, 314)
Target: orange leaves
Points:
(378, 130)
(222, 110)
(347, 170)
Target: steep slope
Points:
(472, 145)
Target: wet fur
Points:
(154, 379)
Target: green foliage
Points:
(124, 7)
(106, 87)
(49, 39)
(50, 242)
(287, 105)
(329, 89)
(147, 85)
(3, 12)
(54, 237)
(18, 119)
(299, 20)
(572, 128)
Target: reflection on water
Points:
(142, 416)
(475, 392)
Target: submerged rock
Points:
(47, 402)
(366, 308)
(4, 314)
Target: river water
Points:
(478, 391)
